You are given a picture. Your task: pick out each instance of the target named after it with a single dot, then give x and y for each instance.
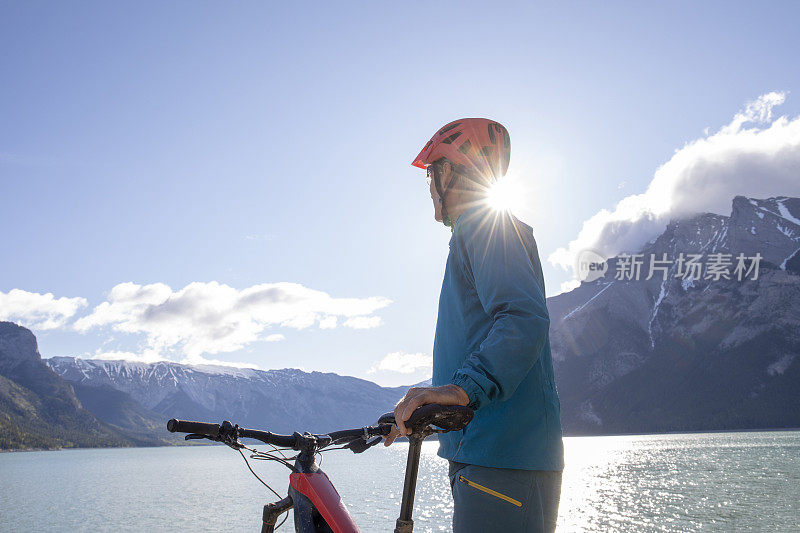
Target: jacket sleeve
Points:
(494, 255)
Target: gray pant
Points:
(503, 499)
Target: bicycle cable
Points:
(256, 475)
(266, 456)
(331, 449)
(286, 513)
(283, 459)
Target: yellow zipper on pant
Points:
(490, 491)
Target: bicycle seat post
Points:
(405, 524)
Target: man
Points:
(492, 347)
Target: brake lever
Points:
(228, 435)
(361, 445)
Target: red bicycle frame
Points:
(318, 508)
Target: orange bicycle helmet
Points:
(481, 147)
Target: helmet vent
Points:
(448, 128)
(452, 138)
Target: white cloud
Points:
(147, 356)
(38, 311)
(570, 284)
(199, 360)
(152, 356)
(209, 318)
(363, 322)
(703, 176)
(403, 363)
(329, 322)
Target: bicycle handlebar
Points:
(282, 441)
(371, 431)
(449, 418)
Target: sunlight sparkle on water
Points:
(638, 483)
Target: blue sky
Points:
(174, 143)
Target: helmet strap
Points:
(446, 220)
(442, 192)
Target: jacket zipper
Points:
(487, 490)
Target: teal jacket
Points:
(492, 340)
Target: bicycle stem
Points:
(405, 524)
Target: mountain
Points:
(675, 352)
(38, 409)
(282, 401)
(71, 402)
(130, 419)
(687, 353)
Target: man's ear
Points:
(447, 173)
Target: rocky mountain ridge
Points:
(681, 352)
(284, 400)
(38, 409)
(678, 350)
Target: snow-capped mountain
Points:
(278, 400)
(684, 350)
(677, 350)
(38, 409)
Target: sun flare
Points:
(505, 194)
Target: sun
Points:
(505, 194)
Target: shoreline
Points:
(692, 432)
(181, 444)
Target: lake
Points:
(683, 482)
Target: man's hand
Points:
(419, 396)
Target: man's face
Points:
(437, 204)
(444, 172)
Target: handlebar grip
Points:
(447, 417)
(186, 426)
(387, 418)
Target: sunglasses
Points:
(432, 170)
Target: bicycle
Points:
(318, 508)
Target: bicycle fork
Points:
(272, 511)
